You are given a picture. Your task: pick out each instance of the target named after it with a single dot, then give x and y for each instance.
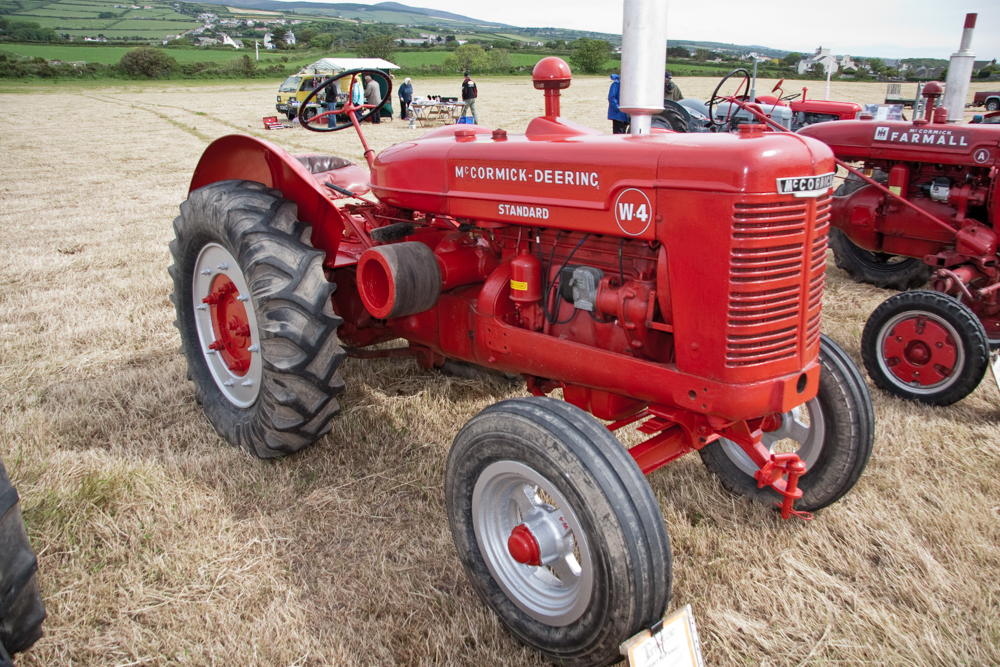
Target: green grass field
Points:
(80, 19)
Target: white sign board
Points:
(674, 644)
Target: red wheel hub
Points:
(920, 350)
(230, 325)
(523, 546)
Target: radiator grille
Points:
(768, 265)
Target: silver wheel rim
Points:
(803, 425)
(213, 260)
(557, 592)
(919, 389)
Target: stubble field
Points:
(159, 544)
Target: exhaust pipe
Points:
(644, 59)
(960, 73)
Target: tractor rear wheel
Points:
(925, 346)
(21, 607)
(558, 531)
(833, 434)
(874, 268)
(877, 268)
(255, 318)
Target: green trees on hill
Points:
(23, 31)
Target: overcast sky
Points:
(884, 28)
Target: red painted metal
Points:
(230, 325)
(523, 546)
(920, 350)
(704, 315)
(942, 202)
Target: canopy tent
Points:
(334, 65)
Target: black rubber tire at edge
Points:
(847, 445)
(21, 607)
(291, 297)
(606, 489)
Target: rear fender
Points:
(239, 157)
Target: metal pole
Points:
(960, 66)
(644, 60)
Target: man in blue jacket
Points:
(619, 119)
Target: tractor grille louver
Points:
(768, 266)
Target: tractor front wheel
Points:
(255, 318)
(833, 435)
(558, 531)
(925, 346)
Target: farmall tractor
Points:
(667, 281)
(925, 205)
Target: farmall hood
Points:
(577, 180)
(902, 140)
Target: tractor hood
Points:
(562, 176)
(902, 140)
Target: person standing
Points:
(619, 119)
(670, 89)
(469, 95)
(405, 97)
(373, 96)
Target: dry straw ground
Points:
(158, 544)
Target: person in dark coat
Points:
(469, 95)
(670, 89)
(373, 95)
(619, 119)
(405, 97)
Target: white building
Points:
(822, 57)
(229, 41)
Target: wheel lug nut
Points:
(223, 267)
(206, 272)
(247, 383)
(254, 348)
(216, 345)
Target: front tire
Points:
(992, 105)
(925, 346)
(833, 434)
(537, 471)
(21, 607)
(255, 318)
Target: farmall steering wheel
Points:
(744, 85)
(349, 109)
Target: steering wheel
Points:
(716, 98)
(350, 109)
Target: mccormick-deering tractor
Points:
(667, 281)
(925, 205)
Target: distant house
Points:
(229, 41)
(822, 57)
(268, 43)
(290, 38)
(845, 62)
(411, 42)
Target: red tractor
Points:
(671, 282)
(925, 206)
(727, 112)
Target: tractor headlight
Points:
(279, 99)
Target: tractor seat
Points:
(338, 171)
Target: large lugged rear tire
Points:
(835, 444)
(255, 318)
(21, 607)
(558, 531)
(875, 268)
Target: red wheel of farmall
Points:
(925, 346)
(255, 318)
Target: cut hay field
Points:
(160, 545)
